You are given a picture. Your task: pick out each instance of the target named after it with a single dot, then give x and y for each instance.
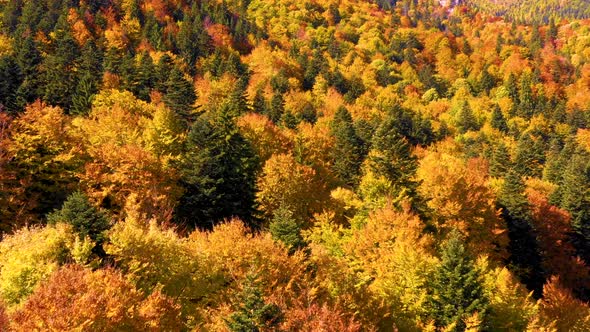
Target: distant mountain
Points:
(528, 11)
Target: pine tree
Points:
(85, 219)
(526, 104)
(254, 314)
(192, 39)
(28, 59)
(286, 229)
(145, 77)
(218, 173)
(11, 79)
(512, 88)
(347, 152)
(466, 120)
(392, 158)
(525, 256)
(89, 75)
(59, 77)
(277, 108)
(498, 121)
(259, 104)
(180, 94)
(530, 156)
(574, 194)
(500, 161)
(456, 291)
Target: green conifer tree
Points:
(254, 314)
(348, 151)
(85, 219)
(456, 291)
(180, 94)
(498, 121)
(218, 173)
(525, 256)
(287, 229)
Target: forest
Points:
(294, 165)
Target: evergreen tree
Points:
(28, 59)
(192, 40)
(259, 104)
(498, 121)
(254, 314)
(164, 68)
(574, 194)
(500, 161)
(145, 77)
(287, 229)
(218, 173)
(11, 79)
(89, 75)
(525, 256)
(288, 120)
(530, 156)
(512, 87)
(456, 290)
(180, 94)
(85, 219)
(392, 158)
(526, 105)
(348, 151)
(277, 108)
(59, 76)
(237, 101)
(466, 120)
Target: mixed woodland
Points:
(294, 165)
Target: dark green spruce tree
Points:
(58, 68)
(498, 121)
(180, 94)
(86, 220)
(525, 255)
(455, 292)
(286, 229)
(393, 159)
(218, 173)
(254, 314)
(348, 148)
(11, 79)
(574, 196)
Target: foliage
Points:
(102, 301)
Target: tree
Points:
(28, 59)
(574, 194)
(11, 80)
(286, 229)
(498, 121)
(391, 157)
(89, 74)
(180, 94)
(348, 148)
(75, 298)
(86, 220)
(466, 120)
(192, 39)
(253, 314)
(218, 173)
(530, 156)
(526, 104)
(525, 256)
(456, 291)
(285, 183)
(59, 79)
(500, 162)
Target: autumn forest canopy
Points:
(294, 165)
